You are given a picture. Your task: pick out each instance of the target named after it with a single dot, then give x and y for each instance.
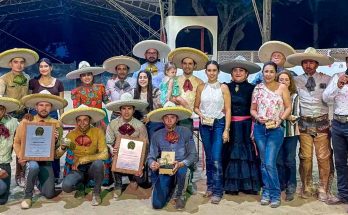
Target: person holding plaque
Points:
(37, 169)
(171, 139)
(8, 127)
(126, 126)
(88, 150)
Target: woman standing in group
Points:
(287, 153)
(213, 106)
(45, 81)
(145, 91)
(241, 165)
(270, 106)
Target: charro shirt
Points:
(189, 95)
(6, 143)
(336, 96)
(311, 102)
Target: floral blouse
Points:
(89, 95)
(269, 104)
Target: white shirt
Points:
(311, 102)
(336, 96)
(212, 101)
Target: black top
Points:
(240, 98)
(36, 87)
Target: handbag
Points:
(208, 121)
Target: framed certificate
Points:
(39, 141)
(131, 155)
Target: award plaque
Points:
(131, 155)
(39, 141)
(166, 163)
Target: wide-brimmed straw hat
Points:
(69, 117)
(340, 55)
(31, 100)
(84, 67)
(239, 62)
(127, 99)
(111, 63)
(10, 104)
(169, 108)
(30, 56)
(310, 54)
(268, 48)
(177, 55)
(140, 48)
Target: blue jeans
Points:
(286, 164)
(268, 142)
(163, 185)
(340, 147)
(212, 142)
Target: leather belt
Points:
(341, 118)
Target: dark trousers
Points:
(94, 170)
(340, 147)
(164, 185)
(286, 164)
(5, 184)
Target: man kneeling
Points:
(88, 148)
(171, 138)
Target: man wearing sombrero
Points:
(43, 102)
(275, 51)
(8, 127)
(171, 138)
(88, 148)
(152, 51)
(189, 59)
(314, 122)
(336, 93)
(126, 126)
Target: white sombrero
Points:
(84, 67)
(30, 56)
(169, 108)
(111, 63)
(127, 99)
(69, 117)
(340, 55)
(141, 47)
(178, 54)
(310, 54)
(268, 48)
(10, 104)
(31, 100)
(239, 62)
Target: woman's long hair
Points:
(292, 87)
(137, 90)
(46, 60)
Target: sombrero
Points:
(178, 54)
(141, 47)
(268, 48)
(69, 117)
(310, 54)
(127, 99)
(84, 67)
(239, 62)
(10, 104)
(169, 108)
(30, 56)
(31, 100)
(111, 63)
(340, 55)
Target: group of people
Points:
(249, 131)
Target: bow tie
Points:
(4, 131)
(310, 85)
(187, 85)
(172, 137)
(20, 80)
(152, 69)
(122, 85)
(83, 140)
(126, 129)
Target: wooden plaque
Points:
(39, 141)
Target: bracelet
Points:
(227, 129)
